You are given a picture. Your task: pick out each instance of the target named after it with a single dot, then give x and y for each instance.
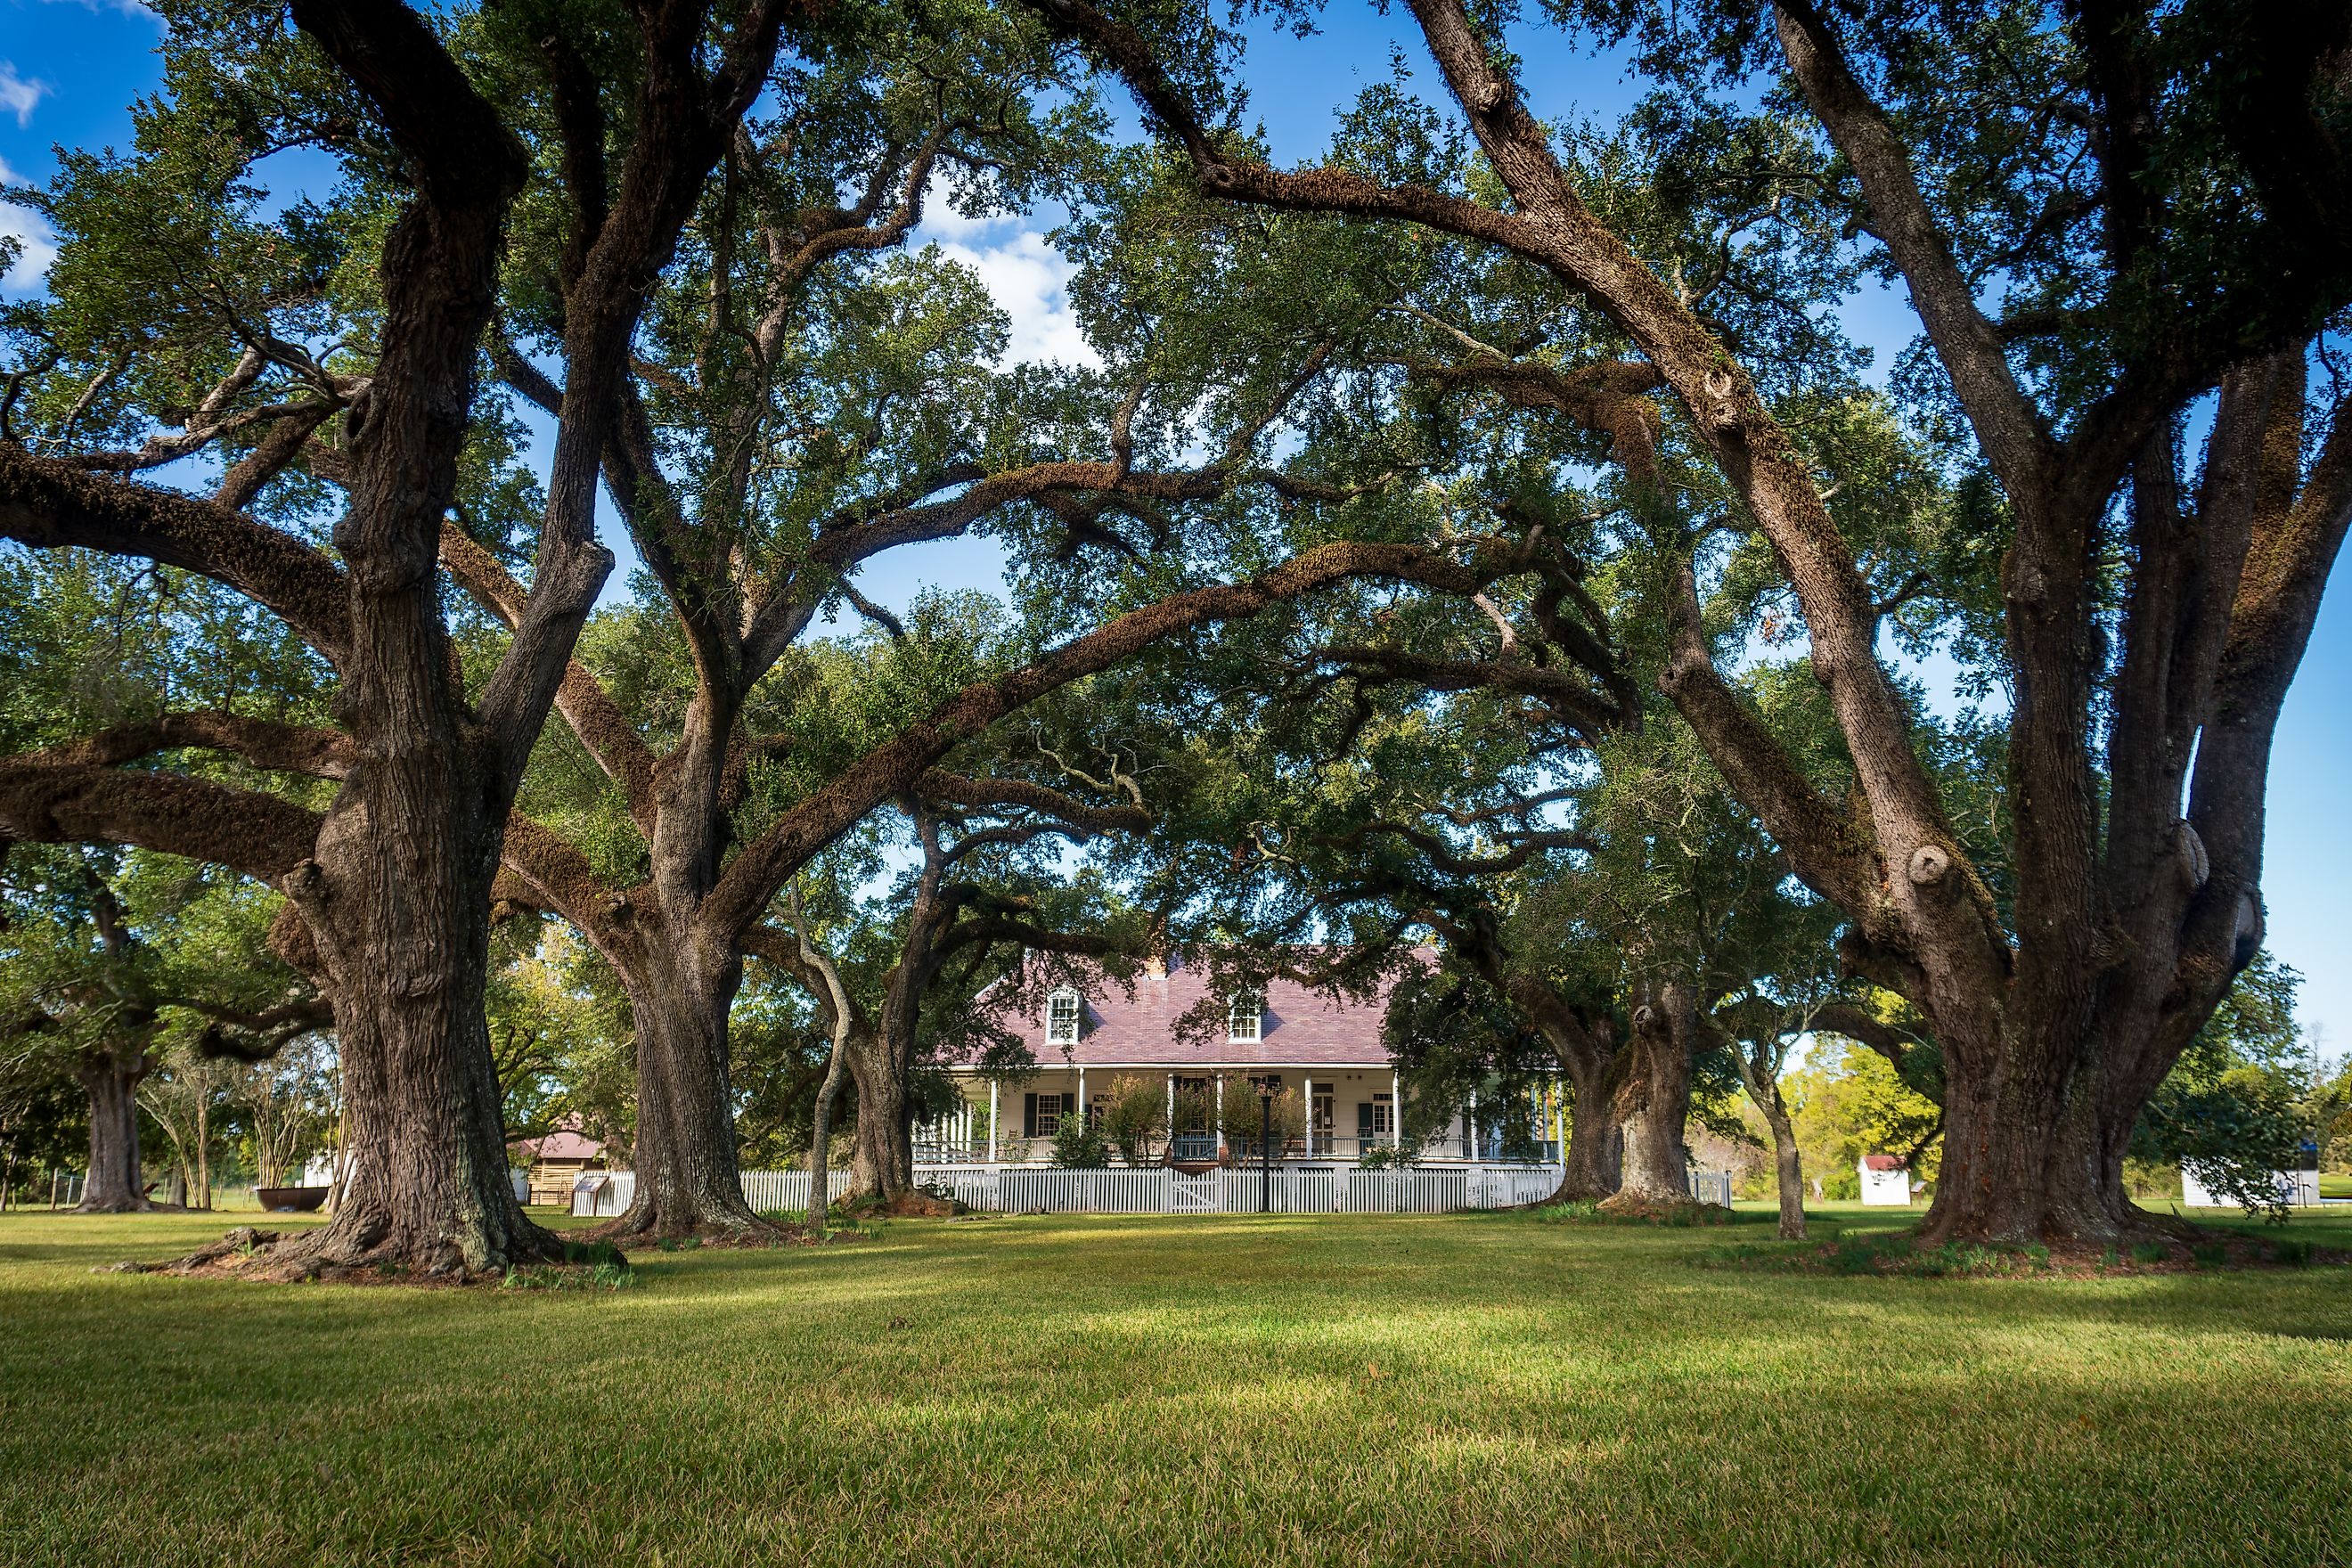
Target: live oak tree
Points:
(1489, 768)
(316, 387)
(807, 400)
(978, 930)
(89, 991)
(2105, 217)
(1493, 706)
(132, 973)
(117, 969)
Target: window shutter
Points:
(1363, 1119)
(1028, 1116)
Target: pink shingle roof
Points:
(565, 1145)
(1301, 1027)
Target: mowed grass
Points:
(1470, 1389)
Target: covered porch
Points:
(1350, 1113)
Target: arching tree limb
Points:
(50, 505)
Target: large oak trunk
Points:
(396, 896)
(403, 886)
(689, 1180)
(2036, 1156)
(112, 1080)
(883, 1166)
(1594, 1157)
(1654, 1099)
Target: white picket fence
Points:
(1031, 1189)
(1711, 1187)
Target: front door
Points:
(1196, 1111)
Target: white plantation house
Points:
(996, 1152)
(1328, 1052)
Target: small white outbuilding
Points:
(2299, 1188)
(1886, 1181)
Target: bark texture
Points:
(883, 1165)
(828, 1094)
(1653, 1101)
(689, 1176)
(1592, 1164)
(111, 1076)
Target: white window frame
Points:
(1054, 1034)
(1049, 1123)
(1255, 1002)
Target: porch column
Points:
(1309, 1092)
(1558, 1118)
(1396, 1111)
(1082, 1094)
(992, 1122)
(1476, 1151)
(1219, 1116)
(1172, 1116)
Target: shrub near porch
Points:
(1473, 1388)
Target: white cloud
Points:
(1026, 277)
(31, 230)
(17, 96)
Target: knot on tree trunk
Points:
(1928, 865)
(2196, 866)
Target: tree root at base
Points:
(702, 1231)
(335, 1255)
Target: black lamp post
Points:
(1266, 1149)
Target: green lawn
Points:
(1470, 1388)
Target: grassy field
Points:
(1473, 1389)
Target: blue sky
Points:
(69, 69)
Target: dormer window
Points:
(1245, 1018)
(1062, 1013)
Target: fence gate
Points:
(1196, 1195)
